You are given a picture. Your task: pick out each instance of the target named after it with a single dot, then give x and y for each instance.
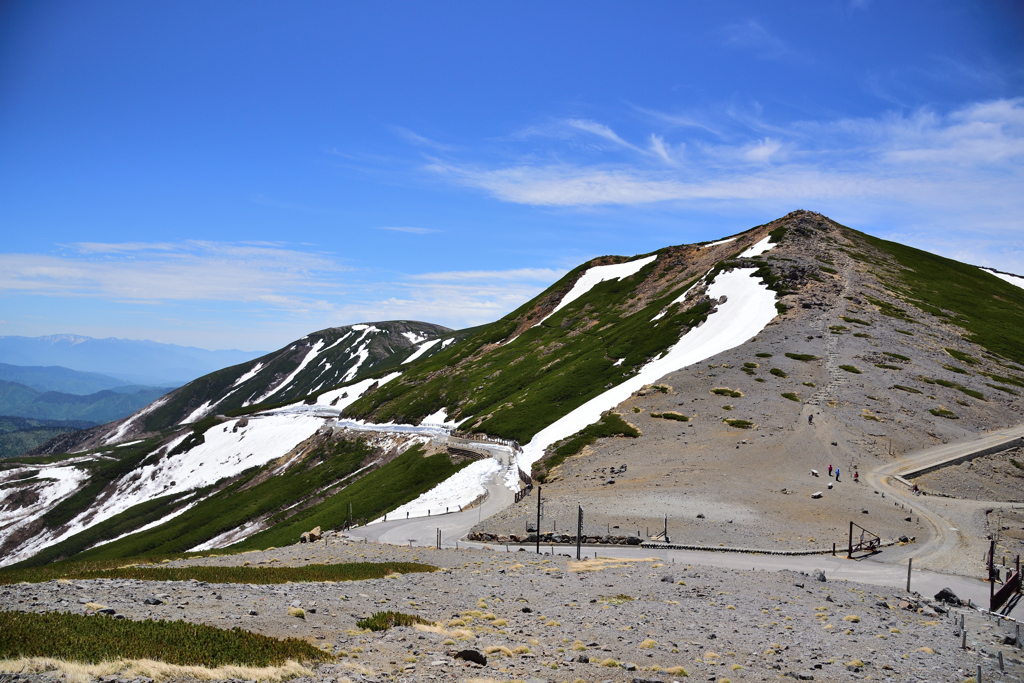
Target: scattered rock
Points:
(472, 656)
(668, 578)
(947, 596)
(819, 575)
(153, 601)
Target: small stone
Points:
(472, 656)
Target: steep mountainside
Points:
(21, 434)
(747, 340)
(309, 365)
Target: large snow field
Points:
(288, 380)
(749, 307)
(66, 478)
(224, 453)
(462, 488)
(353, 391)
(759, 248)
(594, 276)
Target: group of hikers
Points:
(856, 474)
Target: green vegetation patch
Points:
(906, 332)
(886, 366)
(962, 357)
(942, 412)
(805, 357)
(861, 334)
(954, 368)
(888, 309)
(610, 424)
(850, 368)
(832, 271)
(98, 639)
(838, 329)
(897, 356)
(725, 391)
(792, 396)
(85, 570)
(988, 308)
(910, 390)
(1006, 390)
(1014, 380)
(672, 415)
(751, 365)
(382, 621)
(739, 424)
(855, 321)
(809, 384)
(763, 355)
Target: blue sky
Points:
(237, 174)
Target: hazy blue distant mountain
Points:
(103, 406)
(135, 361)
(65, 380)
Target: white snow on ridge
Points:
(354, 391)
(302, 366)
(414, 337)
(749, 306)
(596, 275)
(424, 347)
(462, 488)
(447, 342)
(248, 375)
(224, 453)
(1012, 279)
(715, 244)
(759, 248)
(68, 479)
(123, 429)
(361, 352)
(197, 413)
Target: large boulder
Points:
(947, 596)
(472, 656)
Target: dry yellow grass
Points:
(595, 565)
(77, 672)
(94, 606)
(521, 650)
(852, 618)
(297, 612)
(500, 649)
(648, 644)
(578, 645)
(677, 671)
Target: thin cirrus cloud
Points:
(969, 161)
(189, 271)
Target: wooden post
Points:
(977, 679)
(849, 547)
(538, 520)
(666, 528)
(910, 566)
(579, 529)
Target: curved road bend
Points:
(422, 531)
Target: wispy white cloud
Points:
(600, 130)
(548, 275)
(422, 141)
(753, 36)
(414, 231)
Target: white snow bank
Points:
(414, 337)
(759, 248)
(750, 305)
(462, 488)
(1012, 279)
(447, 342)
(424, 347)
(123, 429)
(197, 413)
(361, 352)
(248, 375)
(288, 380)
(715, 244)
(224, 453)
(66, 480)
(438, 418)
(596, 275)
(354, 391)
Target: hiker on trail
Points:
(915, 489)
(830, 470)
(810, 419)
(837, 474)
(856, 474)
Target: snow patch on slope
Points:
(424, 347)
(1012, 279)
(288, 380)
(361, 352)
(596, 275)
(353, 391)
(414, 337)
(759, 248)
(126, 425)
(462, 488)
(66, 479)
(749, 307)
(715, 244)
(248, 375)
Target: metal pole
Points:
(849, 547)
(910, 566)
(538, 519)
(579, 530)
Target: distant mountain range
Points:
(64, 380)
(133, 361)
(103, 406)
(21, 434)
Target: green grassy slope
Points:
(990, 310)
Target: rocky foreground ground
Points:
(547, 618)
